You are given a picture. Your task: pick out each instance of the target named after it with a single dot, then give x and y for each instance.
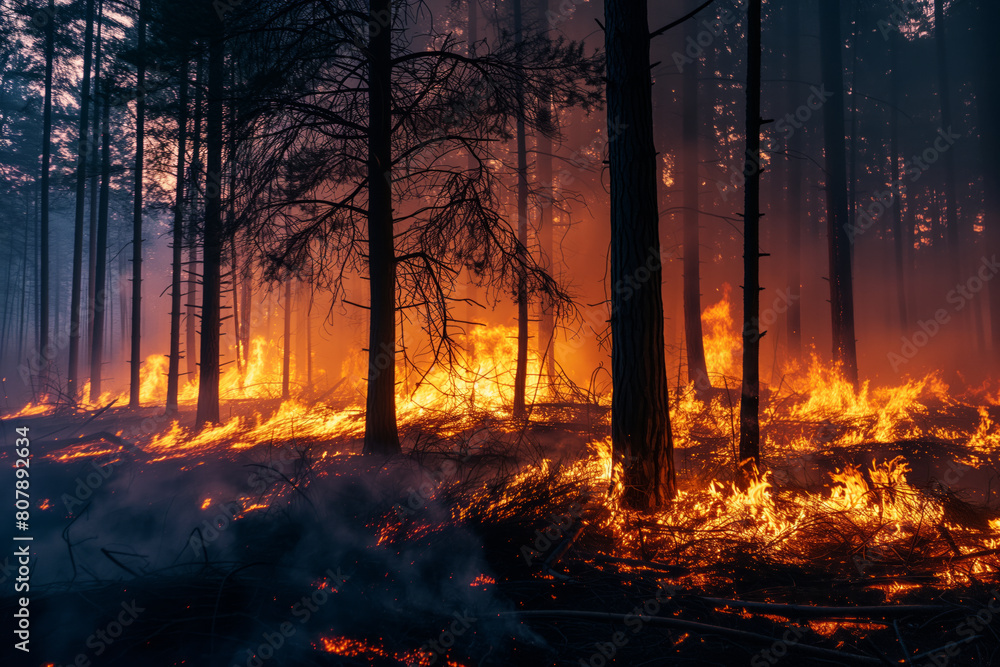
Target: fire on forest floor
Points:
(873, 532)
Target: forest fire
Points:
(453, 332)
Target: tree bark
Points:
(135, 351)
(795, 211)
(211, 281)
(640, 417)
(897, 210)
(950, 187)
(101, 268)
(177, 265)
(286, 356)
(194, 185)
(841, 278)
(45, 354)
(547, 321)
(693, 335)
(81, 191)
(381, 432)
(93, 174)
(521, 370)
(752, 169)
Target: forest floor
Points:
(495, 544)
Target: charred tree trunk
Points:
(286, 356)
(177, 240)
(194, 188)
(135, 352)
(794, 199)
(101, 268)
(73, 377)
(93, 171)
(693, 335)
(521, 370)
(381, 432)
(950, 188)
(547, 321)
(752, 168)
(211, 281)
(897, 210)
(45, 354)
(640, 417)
(841, 278)
(472, 290)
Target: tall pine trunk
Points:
(693, 338)
(950, 187)
(177, 241)
(841, 278)
(101, 251)
(381, 432)
(521, 370)
(897, 210)
(750, 393)
(286, 356)
(547, 320)
(46, 354)
(794, 209)
(640, 417)
(135, 353)
(211, 280)
(93, 171)
(194, 185)
(81, 191)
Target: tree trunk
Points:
(194, 185)
(177, 266)
(286, 356)
(640, 417)
(81, 191)
(135, 353)
(752, 168)
(693, 338)
(547, 321)
(841, 279)
(93, 171)
(211, 280)
(897, 210)
(521, 370)
(46, 354)
(101, 250)
(944, 96)
(381, 432)
(795, 210)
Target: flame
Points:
(348, 647)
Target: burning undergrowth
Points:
(872, 537)
(479, 548)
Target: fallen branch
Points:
(795, 610)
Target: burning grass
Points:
(873, 534)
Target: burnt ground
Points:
(277, 555)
